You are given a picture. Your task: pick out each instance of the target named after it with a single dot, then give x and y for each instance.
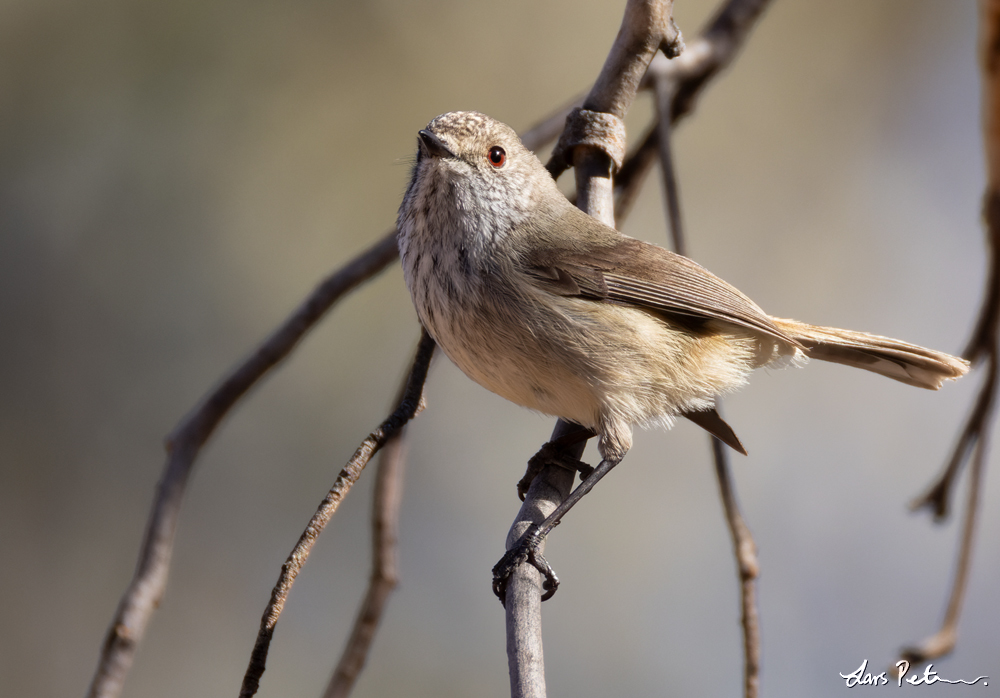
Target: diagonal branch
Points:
(408, 408)
(186, 440)
(385, 564)
(183, 446)
(943, 641)
(984, 345)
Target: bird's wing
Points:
(628, 271)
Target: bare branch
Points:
(183, 446)
(408, 407)
(385, 567)
(710, 53)
(744, 548)
(186, 440)
(943, 641)
(645, 27)
(524, 588)
(746, 562)
(983, 345)
(633, 173)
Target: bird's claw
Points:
(525, 550)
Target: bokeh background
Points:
(176, 176)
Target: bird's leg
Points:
(554, 453)
(527, 548)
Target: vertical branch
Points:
(646, 26)
(745, 552)
(408, 408)
(664, 89)
(744, 548)
(523, 604)
(691, 71)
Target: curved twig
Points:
(408, 407)
(186, 440)
(385, 565)
(183, 446)
(744, 548)
(984, 345)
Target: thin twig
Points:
(664, 89)
(633, 173)
(746, 561)
(183, 446)
(744, 548)
(937, 498)
(408, 407)
(943, 641)
(385, 564)
(984, 345)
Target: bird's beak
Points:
(433, 146)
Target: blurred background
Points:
(176, 176)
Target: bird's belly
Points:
(585, 361)
(519, 366)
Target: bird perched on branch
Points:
(552, 309)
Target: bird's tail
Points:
(904, 362)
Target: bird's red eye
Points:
(497, 156)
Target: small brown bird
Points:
(556, 311)
(553, 310)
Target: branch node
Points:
(593, 129)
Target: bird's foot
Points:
(551, 453)
(525, 550)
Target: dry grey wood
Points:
(715, 48)
(523, 603)
(408, 408)
(183, 446)
(645, 27)
(710, 53)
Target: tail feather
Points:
(908, 363)
(712, 422)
